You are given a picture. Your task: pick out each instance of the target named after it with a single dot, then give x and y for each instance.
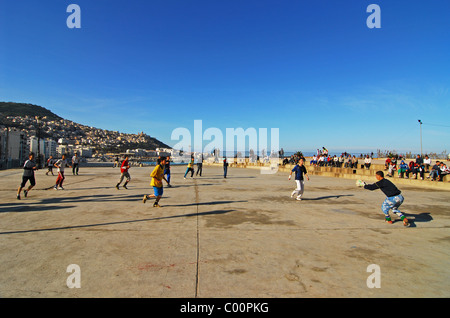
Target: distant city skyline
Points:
(315, 70)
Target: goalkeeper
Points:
(393, 199)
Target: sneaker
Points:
(55, 188)
(61, 188)
(405, 221)
(156, 205)
(117, 187)
(125, 186)
(144, 199)
(18, 197)
(298, 199)
(25, 192)
(388, 220)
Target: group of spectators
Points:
(294, 159)
(344, 160)
(417, 168)
(394, 164)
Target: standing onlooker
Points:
(75, 163)
(200, 166)
(225, 168)
(167, 170)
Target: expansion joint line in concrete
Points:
(198, 240)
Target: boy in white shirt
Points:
(427, 163)
(60, 164)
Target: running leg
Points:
(301, 184)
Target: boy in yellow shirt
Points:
(157, 178)
(190, 167)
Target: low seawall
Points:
(359, 173)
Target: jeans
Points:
(392, 203)
(167, 173)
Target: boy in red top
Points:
(124, 173)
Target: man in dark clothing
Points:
(50, 163)
(200, 166)
(419, 160)
(28, 175)
(393, 200)
(225, 167)
(167, 171)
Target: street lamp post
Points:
(38, 133)
(420, 123)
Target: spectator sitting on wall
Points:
(367, 162)
(387, 163)
(444, 171)
(434, 173)
(427, 163)
(403, 169)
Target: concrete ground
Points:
(213, 237)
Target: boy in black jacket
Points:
(393, 197)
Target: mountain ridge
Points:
(25, 109)
(23, 116)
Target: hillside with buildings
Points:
(24, 126)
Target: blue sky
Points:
(313, 69)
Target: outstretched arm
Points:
(371, 187)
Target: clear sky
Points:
(313, 69)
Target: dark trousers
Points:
(199, 169)
(75, 168)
